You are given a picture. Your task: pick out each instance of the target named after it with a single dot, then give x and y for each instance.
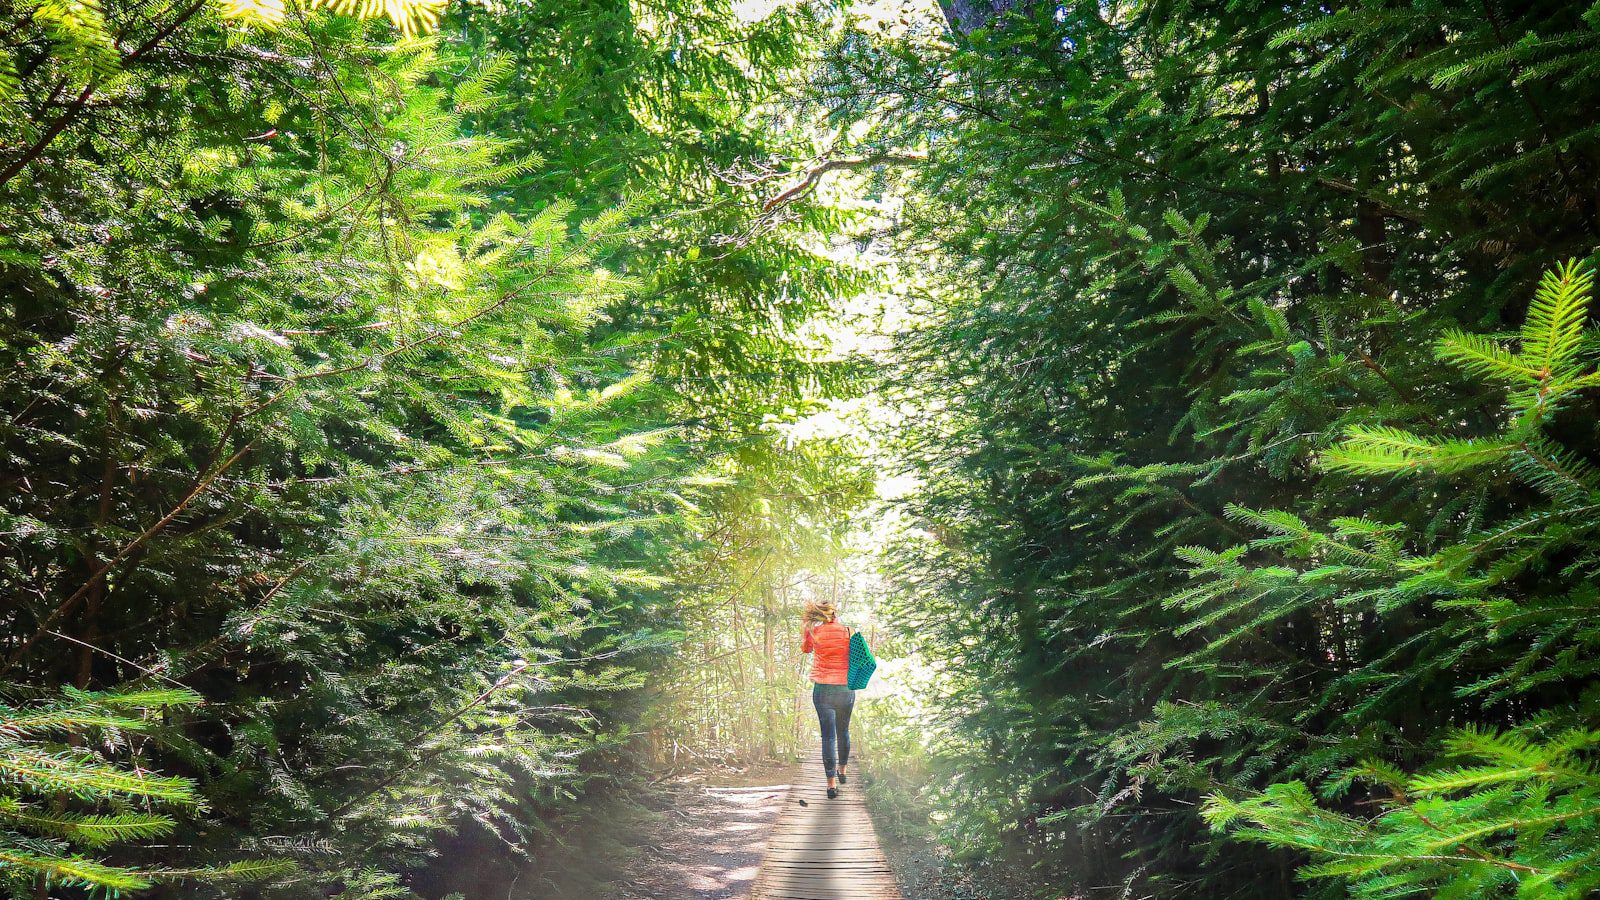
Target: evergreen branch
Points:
(81, 101)
(91, 831)
(1482, 356)
(72, 870)
(1382, 450)
(1554, 325)
(138, 543)
(72, 775)
(398, 771)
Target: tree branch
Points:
(1382, 207)
(76, 107)
(128, 549)
(806, 184)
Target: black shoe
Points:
(842, 779)
(833, 793)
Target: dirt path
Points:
(713, 837)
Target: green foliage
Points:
(1518, 819)
(1540, 376)
(683, 107)
(1521, 816)
(323, 402)
(59, 764)
(1236, 468)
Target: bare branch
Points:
(809, 182)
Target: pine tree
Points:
(1502, 811)
(325, 403)
(1170, 259)
(69, 794)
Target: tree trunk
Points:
(967, 16)
(769, 680)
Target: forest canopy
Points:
(1257, 453)
(422, 421)
(364, 398)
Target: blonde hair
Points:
(818, 612)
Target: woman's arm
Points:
(806, 643)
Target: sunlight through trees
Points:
(423, 421)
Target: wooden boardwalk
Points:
(826, 849)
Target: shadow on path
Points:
(713, 838)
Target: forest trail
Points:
(713, 836)
(824, 849)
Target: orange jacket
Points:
(830, 646)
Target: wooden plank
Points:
(826, 849)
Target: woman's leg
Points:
(846, 701)
(827, 720)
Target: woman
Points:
(829, 644)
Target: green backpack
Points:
(862, 662)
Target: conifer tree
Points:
(1173, 258)
(1501, 812)
(307, 411)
